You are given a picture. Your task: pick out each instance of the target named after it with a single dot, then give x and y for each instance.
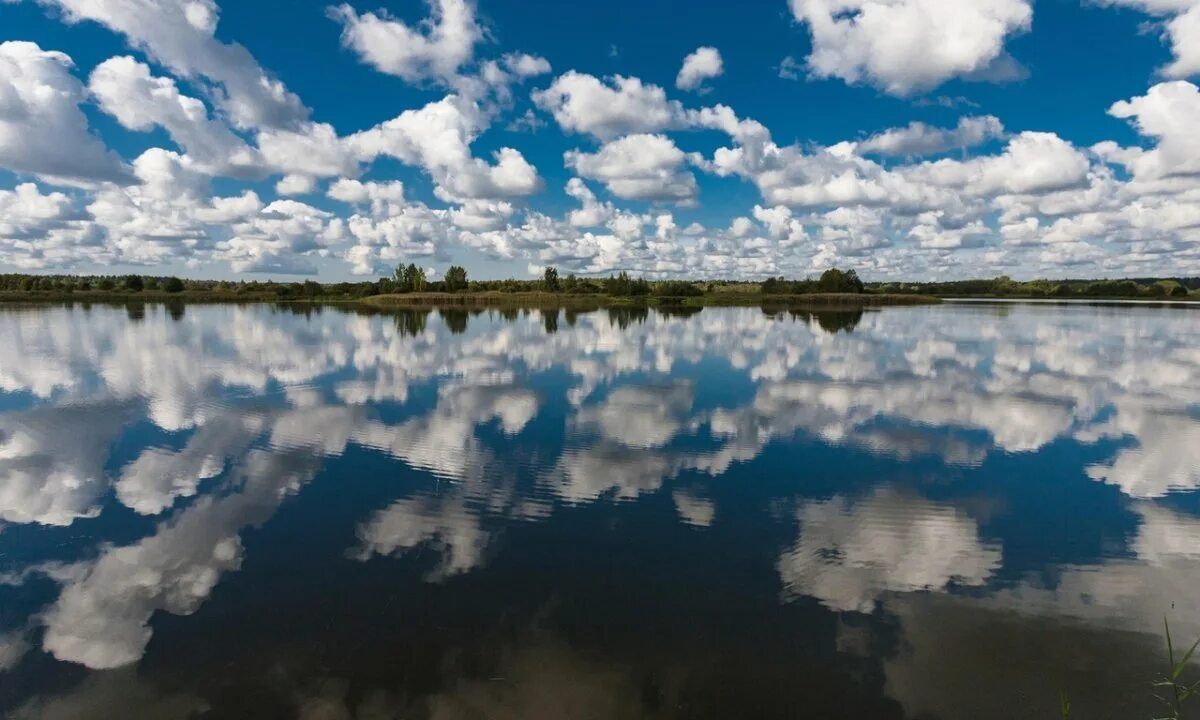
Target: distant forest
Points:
(410, 278)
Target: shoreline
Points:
(541, 299)
(829, 301)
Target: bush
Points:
(134, 283)
(173, 285)
(677, 288)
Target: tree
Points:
(134, 283)
(838, 281)
(410, 278)
(173, 285)
(550, 278)
(456, 279)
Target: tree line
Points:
(411, 278)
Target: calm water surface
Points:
(246, 512)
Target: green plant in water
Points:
(1178, 692)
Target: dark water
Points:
(246, 512)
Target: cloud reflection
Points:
(254, 401)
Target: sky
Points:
(906, 139)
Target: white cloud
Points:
(1169, 113)
(1181, 29)
(42, 129)
(437, 138)
(138, 100)
(789, 68)
(277, 239)
(638, 167)
(583, 103)
(909, 46)
(918, 139)
(1032, 162)
(701, 65)
(180, 36)
(39, 230)
(434, 50)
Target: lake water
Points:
(958, 511)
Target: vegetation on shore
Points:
(1006, 287)
(409, 286)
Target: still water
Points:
(958, 511)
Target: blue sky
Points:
(905, 138)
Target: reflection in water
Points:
(630, 512)
(412, 322)
(848, 555)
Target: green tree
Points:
(134, 283)
(173, 285)
(456, 279)
(839, 281)
(410, 278)
(550, 279)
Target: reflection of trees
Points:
(411, 323)
(831, 321)
(175, 310)
(135, 311)
(550, 320)
(835, 321)
(455, 319)
(626, 315)
(961, 657)
(678, 311)
(572, 314)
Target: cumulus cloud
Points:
(909, 46)
(638, 167)
(1168, 113)
(1181, 30)
(180, 36)
(39, 230)
(433, 50)
(437, 137)
(42, 129)
(899, 203)
(698, 66)
(138, 100)
(1032, 162)
(623, 105)
(918, 139)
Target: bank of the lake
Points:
(547, 299)
(483, 299)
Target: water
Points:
(944, 512)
